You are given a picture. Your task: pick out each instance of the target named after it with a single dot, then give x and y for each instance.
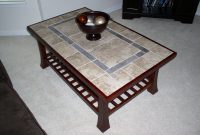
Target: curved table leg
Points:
(153, 79)
(103, 116)
(43, 56)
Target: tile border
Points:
(104, 67)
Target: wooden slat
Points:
(87, 96)
(114, 103)
(93, 101)
(120, 98)
(127, 94)
(70, 83)
(133, 89)
(145, 82)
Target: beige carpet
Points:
(174, 110)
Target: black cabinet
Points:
(182, 10)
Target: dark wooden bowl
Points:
(92, 23)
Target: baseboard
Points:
(14, 33)
(113, 8)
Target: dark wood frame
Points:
(71, 76)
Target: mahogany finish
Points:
(102, 105)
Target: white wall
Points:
(52, 8)
(14, 18)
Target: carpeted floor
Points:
(174, 110)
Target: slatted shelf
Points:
(82, 90)
(128, 95)
(87, 95)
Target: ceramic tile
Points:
(120, 36)
(101, 65)
(77, 60)
(116, 27)
(112, 53)
(133, 70)
(146, 43)
(64, 49)
(47, 23)
(161, 51)
(85, 53)
(152, 57)
(130, 34)
(44, 32)
(90, 45)
(148, 60)
(140, 47)
(56, 19)
(121, 77)
(68, 28)
(91, 71)
(106, 84)
(42, 25)
(118, 57)
(53, 39)
(37, 27)
(121, 64)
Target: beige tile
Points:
(56, 19)
(37, 27)
(44, 32)
(148, 60)
(91, 71)
(133, 70)
(64, 49)
(106, 84)
(130, 34)
(152, 57)
(146, 43)
(77, 60)
(116, 27)
(143, 63)
(121, 77)
(47, 23)
(112, 53)
(68, 28)
(90, 45)
(42, 25)
(130, 50)
(53, 39)
(161, 51)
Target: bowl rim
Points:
(107, 17)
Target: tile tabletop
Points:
(118, 57)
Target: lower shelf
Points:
(86, 94)
(80, 88)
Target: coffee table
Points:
(107, 73)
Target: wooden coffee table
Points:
(107, 73)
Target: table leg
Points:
(43, 56)
(153, 80)
(103, 116)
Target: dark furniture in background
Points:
(15, 117)
(181, 10)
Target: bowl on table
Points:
(92, 23)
